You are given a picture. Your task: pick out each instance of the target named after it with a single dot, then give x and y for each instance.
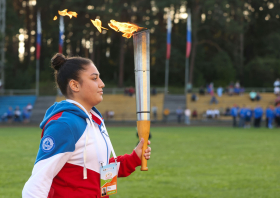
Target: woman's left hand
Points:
(139, 147)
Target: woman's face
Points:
(91, 86)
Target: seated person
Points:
(213, 100)
(17, 114)
(258, 97)
(276, 90)
(210, 113)
(236, 90)
(253, 95)
(194, 114)
(26, 115)
(194, 97)
(227, 112)
(201, 91)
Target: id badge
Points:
(108, 179)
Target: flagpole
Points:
(168, 50)
(188, 51)
(166, 75)
(38, 50)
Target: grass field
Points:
(193, 162)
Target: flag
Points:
(189, 34)
(169, 27)
(39, 34)
(61, 32)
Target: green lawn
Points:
(194, 162)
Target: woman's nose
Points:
(101, 85)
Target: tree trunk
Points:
(196, 21)
(121, 68)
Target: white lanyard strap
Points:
(113, 152)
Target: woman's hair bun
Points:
(57, 61)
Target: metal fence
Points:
(12, 92)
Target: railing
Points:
(247, 89)
(12, 92)
(121, 90)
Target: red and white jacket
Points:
(66, 155)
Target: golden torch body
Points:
(141, 43)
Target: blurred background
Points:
(212, 63)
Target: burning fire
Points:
(126, 28)
(65, 13)
(98, 24)
(55, 18)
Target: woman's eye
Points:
(95, 79)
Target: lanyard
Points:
(95, 137)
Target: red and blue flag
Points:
(169, 28)
(189, 34)
(39, 35)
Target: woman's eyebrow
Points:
(94, 74)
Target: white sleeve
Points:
(39, 184)
(56, 148)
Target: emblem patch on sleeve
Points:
(48, 144)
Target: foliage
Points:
(230, 37)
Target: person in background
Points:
(166, 113)
(187, 116)
(17, 114)
(213, 99)
(253, 95)
(242, 113)
(219, 91)
(111, 114)
(258, 97)
(248, 116)
(234, 113)
(29, 107)
(194, 97)
(230, 88)
(201, 91)
(269, 116)
(154, 91)
(237, 84)
(277, 115)
(258, 112)
(179, 113)
(154, 111)
(276, 91)
(26, 116)
(10, 115)
(227, 112)
(277, 83)
(194, 114)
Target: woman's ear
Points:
(74, 85)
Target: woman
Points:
(75, 142)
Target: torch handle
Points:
(143, 128)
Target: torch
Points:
(141, 43)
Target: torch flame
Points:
(55, 18)
(65, 13)
(98, 24)
(126, 28)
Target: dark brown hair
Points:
(66, 69)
